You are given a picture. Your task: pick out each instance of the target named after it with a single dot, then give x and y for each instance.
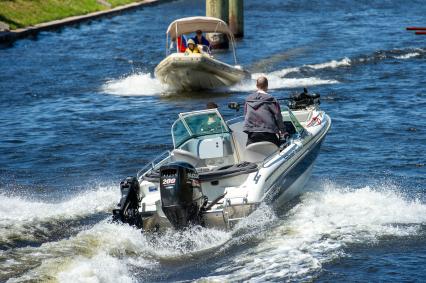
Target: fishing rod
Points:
(295, 101)
(237, 105)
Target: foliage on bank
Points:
(24, 13)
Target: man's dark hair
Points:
(262, 83)
(199, 32)
(212, 105)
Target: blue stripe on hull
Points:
(288, 178)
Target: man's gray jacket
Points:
(262, 114)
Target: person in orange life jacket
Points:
(263, 120)
(192, 48)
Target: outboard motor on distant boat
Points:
(303, 100)
(128, 211)
(181, 196)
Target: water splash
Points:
(408, 56)
(319, 228)
(278, 82)
(108, 252)
(345, 62)
(277, 79)
(315, 231)
(136, 84)
(22, 219)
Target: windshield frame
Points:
(190, 132)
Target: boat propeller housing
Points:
(128, 211)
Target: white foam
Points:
(407, 56)
(319, 228)
(283, 72)
(277, 82)
(134, 85)
(20, 217)
(331, 64)
(89, 202)
(107, 253)
(312, 233)
(100, 268)
(139, 84)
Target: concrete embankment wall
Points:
(10, 36)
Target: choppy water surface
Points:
(80, 109)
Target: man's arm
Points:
(279, 117)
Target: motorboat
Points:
(211, 178)
(183, 71)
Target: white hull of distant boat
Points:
(197, 71)
(211, 178)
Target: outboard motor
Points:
(128, 211)
(181, 196)
(303, 100)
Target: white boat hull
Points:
(183, 71)
(277, 178)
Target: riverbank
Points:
(26, 18)
(24, 13)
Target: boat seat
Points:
(186, 156)
(258, 151)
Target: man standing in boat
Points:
(263, 119)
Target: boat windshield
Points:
(196, 124)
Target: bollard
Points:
(217, 9)
(236, 17)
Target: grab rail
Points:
(153, 164)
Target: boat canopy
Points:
(192, 24)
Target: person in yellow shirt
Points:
(192, 48)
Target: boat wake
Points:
(321, 227)
(107, 252)
(280, 82)
(28, 221)
(294, 247)
(135, 84)
(111, 252)
(279, 79)
(145, 84)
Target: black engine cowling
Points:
(181, 196)
(128, 211)
(303, 100)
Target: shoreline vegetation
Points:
(25, 13)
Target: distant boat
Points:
(198, 71)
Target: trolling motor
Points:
(128, 211)
(182, 199)
(234, 106)
(303, 100)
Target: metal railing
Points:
(154, 163)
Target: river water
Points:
(80, 109)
